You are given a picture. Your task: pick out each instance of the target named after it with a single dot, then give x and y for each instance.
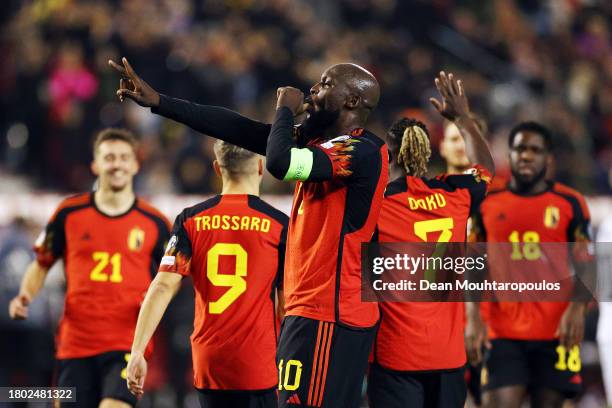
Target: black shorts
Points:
(238, 399)
(321, 364)
(96, 377)
(420, 389)
(533, 364)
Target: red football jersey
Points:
(412, 334)
(559, 214)
(109, 262)
(233, 247)
(329, 221)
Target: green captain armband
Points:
(300, 165)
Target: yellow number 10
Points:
(236, 282)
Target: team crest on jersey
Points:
(136, 239)
(552, 216)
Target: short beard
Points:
(316, 124)
(526, 185)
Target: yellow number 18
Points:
(236, 283)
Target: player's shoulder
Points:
(574, 197)
(396, 187)
(76, 200)
(73, 203)
(260, 205)
(566, 190)
(200, 207)
(149, 210)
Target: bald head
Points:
(359, 81)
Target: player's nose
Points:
(315, 88)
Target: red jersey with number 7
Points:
(233, 247)
(412, 335)
(109, 262)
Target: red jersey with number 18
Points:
(558, 214)
(412, 334)
(233, 247)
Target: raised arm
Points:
(214, 121)
(454, 107)
(285, 160)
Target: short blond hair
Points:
(232, 158)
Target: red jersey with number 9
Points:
(109, 262)
(233, 247)
(412, 335)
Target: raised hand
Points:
(454, 102)
(290, 97)
(133, 87)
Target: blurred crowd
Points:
(548, 60)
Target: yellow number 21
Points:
(236, 283)
(102, 260)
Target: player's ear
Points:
(217, 168)
(94, 167)
(353, 101)
(260, 165)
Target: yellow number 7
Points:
(236, 283)
(442, 225)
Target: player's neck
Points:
(114, 202)
(396, 171)
(529, 189)
(343, 126)
(250, 187)
(450, 169)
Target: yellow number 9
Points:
(236, 283)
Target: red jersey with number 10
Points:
(329, 221)
(419, 336)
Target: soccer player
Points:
(419, 353)
(534, 346)
(111, 242)
(341, 170)
(233, 246)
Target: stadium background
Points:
(524, 59)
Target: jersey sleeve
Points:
(51, 242)
(217, 122)
(178, 253)
(476, 180)
(163, 237)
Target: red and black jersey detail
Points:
(233, 248)
(558, 214)
(107, 262)
(411, 334)
(329, 221)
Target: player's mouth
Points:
(526, 170)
